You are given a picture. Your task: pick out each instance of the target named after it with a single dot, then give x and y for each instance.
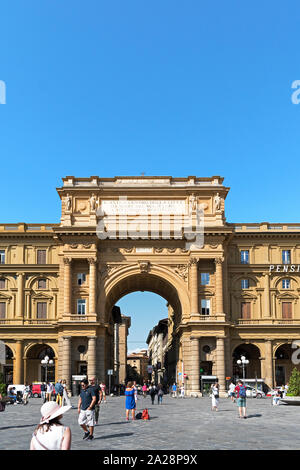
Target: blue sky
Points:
(165, 88)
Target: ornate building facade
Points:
(236, 294)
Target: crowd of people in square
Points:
(51, 434)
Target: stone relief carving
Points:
(144, 266)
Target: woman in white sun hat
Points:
(50, 434)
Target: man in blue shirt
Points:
(86, 409)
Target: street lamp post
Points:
(242, 363)
(45, 363)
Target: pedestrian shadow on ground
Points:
(23, 426)
(254, 416)
(111, 436)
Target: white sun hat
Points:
(51, 410)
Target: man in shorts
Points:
(240, 390)
(97, 391)
(86, 409)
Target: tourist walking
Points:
(49, 391)
(231, 393)
(144, 390)
(65, 398)
(51, 434)
(160, 394)
(43, 391)
(103, 392)
(215, 396)
(86, 404)
(135, 391)
(97, 391)
(174, 390)
(240, 390)
(59, 390)
(152, 392)
(26, 393)
(182, 392)
(130, 403)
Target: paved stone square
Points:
(176, 424)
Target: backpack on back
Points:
(242, 392)
(145, 414)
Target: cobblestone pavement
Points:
(176, 424)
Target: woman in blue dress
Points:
(130, 401)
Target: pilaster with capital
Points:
(92, 286)
(193, 268)
(20, 296)
(219, 285)
(267, 310)
(67, 285)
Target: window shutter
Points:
(246, 310)
(287, 310)
(41, 257)
(2, 309)
(42, 310)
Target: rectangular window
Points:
(286, 283)
(204, 279)
(245, 256)
(2, 309)
(246, 310)
(41, 256)
(2, 256)
(205, 307)
(286, 256)
(41, 310)
(81, 279)
(42, 284)
(245, 283)
(287, 310)
(2, 283)
(81, 307)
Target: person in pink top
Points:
(144, 390)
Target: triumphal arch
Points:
(226, 295)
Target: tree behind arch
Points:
(294, 383)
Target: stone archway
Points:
(34, 370)
(284, 364)
(143, 277)
(158, 280)
(253, 354)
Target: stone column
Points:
(18, 373)
(220, 364)
(194, 287)
(92, 286)
(195, 365)
(66, 361)
(91, 366)
(67, 286)
(269, 363)
(20, 296)
(219, 286)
